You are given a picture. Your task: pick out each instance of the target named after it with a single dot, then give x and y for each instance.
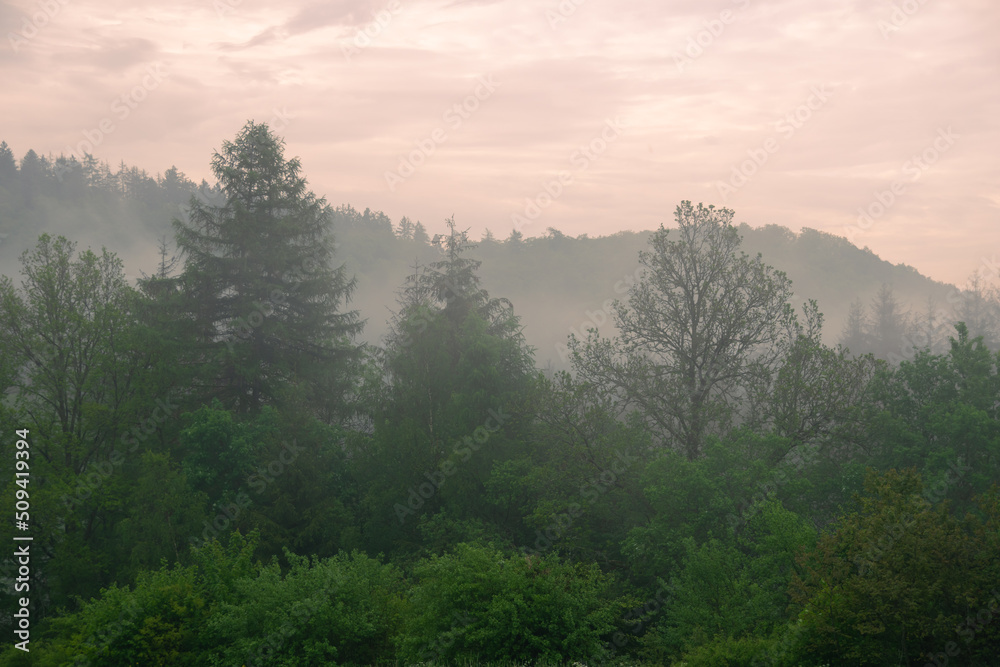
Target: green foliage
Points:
(579, 486)
(219, 450)
(816, 394)
(896, 581)
(477, 601)
(940, 413)
(342, 610)
(726, 651)
(158, 622)
(447, 404)
(74, 370)
(711, 496)
(732, 588)
(162, 513)
(271, 472)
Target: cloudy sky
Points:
(794, 112)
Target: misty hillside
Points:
(561, 285)
(557, 283)
(208, 466)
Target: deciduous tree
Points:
(702, 323)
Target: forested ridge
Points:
(561, 284)
(233, 464)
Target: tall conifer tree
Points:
(259, 285)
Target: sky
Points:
(868, 119)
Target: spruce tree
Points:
(420, 233)
(8, 165)
(259, 288)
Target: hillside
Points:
(561, 285)
(557, 283)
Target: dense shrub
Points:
(476, 601)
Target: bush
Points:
(225, 610)
(477, 602)
(342, 610)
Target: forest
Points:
(228, 463)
